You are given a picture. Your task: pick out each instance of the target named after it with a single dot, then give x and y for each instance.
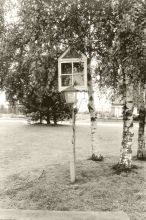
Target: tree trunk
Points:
(41, 118)
(48, 119)
(141, 152)
(126, 150)
(96, 154)
(54, 117)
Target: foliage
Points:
(51, 108)
(127, 52)
(38, 37)
(32, 59)
(111, 32)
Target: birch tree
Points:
(126, 150)
(79, 24)
(134, 58)
(130, 46)
(85, 32)
(96, 152)
(2, 34)
(141, 152)
(122, 64)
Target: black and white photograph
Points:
(72, 109)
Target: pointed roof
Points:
(72, 54)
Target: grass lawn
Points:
(35, 174)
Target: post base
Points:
(121, 168)
(72, 169)
(96, 157)
(141, 154)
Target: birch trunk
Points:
(141, 152)
(96, 154)
(126, 150)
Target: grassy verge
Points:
(97, 188)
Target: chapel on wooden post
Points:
(72, 70)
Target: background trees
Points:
(32, 54)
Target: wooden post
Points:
(72, 157)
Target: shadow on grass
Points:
(97, 170)
(97, 187)
(93, 170)
(120, 168)
(50, 125)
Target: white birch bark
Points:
(96, 154)
(141, 152)
(126, 150)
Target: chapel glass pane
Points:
(78, 74)
(78, 80)
(66, 80)
(66, 68)
(78, 68)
